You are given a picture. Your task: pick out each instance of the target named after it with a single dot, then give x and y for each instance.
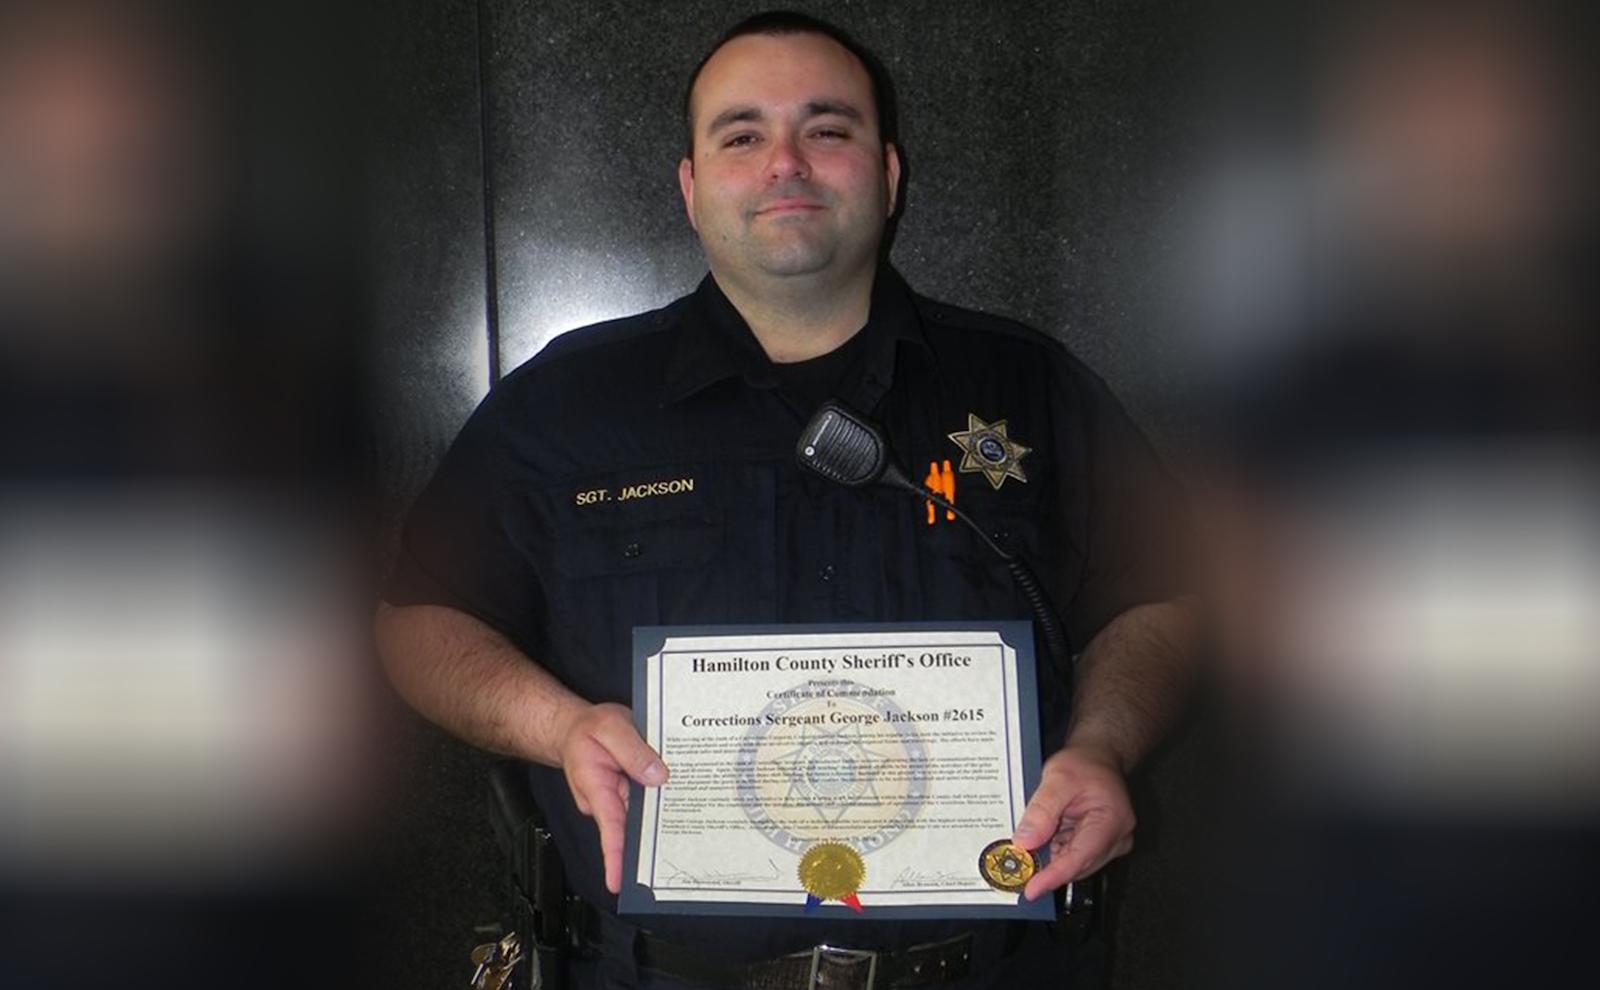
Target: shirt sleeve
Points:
(462, 544)
(1140, 542)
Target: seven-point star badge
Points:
(986, 448)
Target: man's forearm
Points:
(1131, 680)
(464, 676)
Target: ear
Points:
(686, 185)
(891, 172)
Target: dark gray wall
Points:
(439, 871)
(1042, 140)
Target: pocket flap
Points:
(660, 545)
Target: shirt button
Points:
(826, 573)
(632, 551)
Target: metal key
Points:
(495, 962)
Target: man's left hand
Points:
(1082, 810)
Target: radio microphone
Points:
(851, 450)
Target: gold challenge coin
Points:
(1006, 866)
(832, 870)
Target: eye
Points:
(831, 134)
(742, 140)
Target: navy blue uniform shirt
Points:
(642, 472)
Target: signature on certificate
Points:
(673, 874)
(918, 878)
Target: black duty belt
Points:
(824, 967)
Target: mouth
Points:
(779, 207)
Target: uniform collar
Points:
(714, 343)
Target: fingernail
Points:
(655, 773)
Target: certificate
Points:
(865, 770)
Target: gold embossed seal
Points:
(832, 871)
(1006, 866)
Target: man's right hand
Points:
(600, 751)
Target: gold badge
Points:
(1006, 866)
(986, 449)
(832, 871)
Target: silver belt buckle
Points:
(854, 957)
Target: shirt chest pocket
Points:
(963, 576)
(609, 579)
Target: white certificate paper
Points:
(914, 744)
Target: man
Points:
(641, 472)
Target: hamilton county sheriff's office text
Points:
(849, 661)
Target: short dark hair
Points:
(785, 22)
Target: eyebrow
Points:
(824, 108)
(813, 108)
(733, 115)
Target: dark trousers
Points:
(1036, 958)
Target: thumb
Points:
(632, 754)
(1041, 819)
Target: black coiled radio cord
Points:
(1055, 637)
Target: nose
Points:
(787, 161)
